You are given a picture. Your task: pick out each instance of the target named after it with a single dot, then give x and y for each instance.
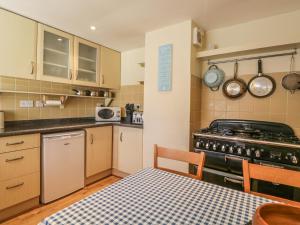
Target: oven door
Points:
(106, 114)
(279, 190)
(221, 178)
(223, 162)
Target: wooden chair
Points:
(183, 156)
(270, 174)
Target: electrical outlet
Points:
(26, 103)
(39, 104)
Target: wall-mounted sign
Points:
(165, 55)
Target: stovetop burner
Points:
(271, 132)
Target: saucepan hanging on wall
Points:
(234, 87)
(291, 81)
(261, 85)
(213, 77)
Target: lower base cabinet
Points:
(19, 174)
(98, 150)
(128, 150)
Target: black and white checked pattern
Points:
(153, 196)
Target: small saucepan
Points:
(261, 85)
(234, 87)
(213, 77)
(291, 81)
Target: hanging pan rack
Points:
(251, 58)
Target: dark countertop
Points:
(55, 125)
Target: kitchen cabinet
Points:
(18, 45)
(55, 55)
(110, 68)
(86, 62)
(19, 174)
(128, 149)
(98, 150)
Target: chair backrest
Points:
(183, 156)
(270, 174)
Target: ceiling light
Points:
(92, 27)
(59, 39)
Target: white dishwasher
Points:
(62, 164)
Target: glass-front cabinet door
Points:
(55, 55)
(86, 62)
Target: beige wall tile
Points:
(7, 83)
(282, 106)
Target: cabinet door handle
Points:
(71, 74)
(92, 139)
(14, 159)
(14, 186)
(102, 79)
(121, 136)
(15, 143)
(32, 67)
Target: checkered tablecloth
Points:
(153, 196)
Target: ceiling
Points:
(121, 24)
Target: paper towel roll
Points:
(52, 102)
(1, 119)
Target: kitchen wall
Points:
(9, 102)
(129, 94)
(266, 31)
(167, 114)
(132, 73)
(281, 106)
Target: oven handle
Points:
(269, 165)
(226, 158)
(227, 179)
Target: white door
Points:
(55, 55)
(130, 150)
(17, 45)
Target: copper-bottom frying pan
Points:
(235, 87)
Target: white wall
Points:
(276, 29)
(167, 114)
(131, 71)
(280, 28)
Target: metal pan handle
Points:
(259, 65)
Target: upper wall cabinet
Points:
(55, 55)
(86, 62)
(110, 68)
(17, 45)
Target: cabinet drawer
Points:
(20, 189)
(14, 143)
(19, 163)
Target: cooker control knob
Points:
(223, 148)
(248, 152)
(294, 159)
(239, 150)
(215, 146)
(231, 149)
(198, 144)
(207, 145)
(257, 153)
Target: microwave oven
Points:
(104, 114)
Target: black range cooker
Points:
(227, 142)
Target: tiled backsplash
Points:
(74, 107)
(195, 107)
(129, 94)
(282, 106)
(10, 102)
